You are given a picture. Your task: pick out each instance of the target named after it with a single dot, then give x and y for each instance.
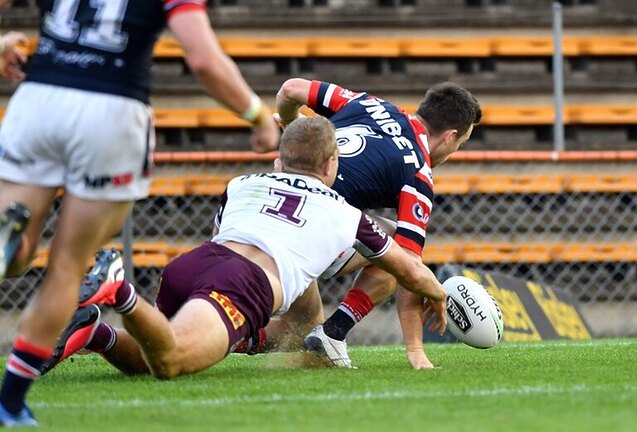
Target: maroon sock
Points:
(103, 339)
(125, 298)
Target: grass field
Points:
(548, 386)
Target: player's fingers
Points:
(434, 326)
(13, 75)
(21, 56)
(264, 138)
(277, 119)
(437, 326)
(427, 315)
(22, 38)
(443, 325)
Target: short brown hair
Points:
(448, 106)
(307, 143)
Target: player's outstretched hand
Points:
(281, 123)
(11, 55)
(265, 136)
(418, 359)
(277, 119)
(438, 311)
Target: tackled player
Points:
(277, 232)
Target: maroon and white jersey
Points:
(297, 220)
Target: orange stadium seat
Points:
(619, 252)
(505, 253)
(262, 47)
(354, 47)
(601, 114)
(429, 47)
(453, 184)
(219, 117)
(176, 118)
(190, 184)
(518, 183)
(151, 260)
(531, 46)
(440, 254)
(168, 48)
(168, 186)
(601, 183)
(206, 184)
(517, 115)
(608, 45)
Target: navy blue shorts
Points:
(234, 285)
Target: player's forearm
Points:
(422, 282)
(409, 308)
(411, 273)
(291, 97)
(288, 110)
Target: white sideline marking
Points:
(329, 397)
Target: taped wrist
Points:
(256, 113)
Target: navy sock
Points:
(23, 366)
(338, 325)
(354, 307)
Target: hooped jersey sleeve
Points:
(327, 99)
(172, 7)
(371, 240)
(415, 203)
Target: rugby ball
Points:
(473, 316)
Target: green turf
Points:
(549, 386)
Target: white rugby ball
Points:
(473, 315)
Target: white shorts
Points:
(97, 146)
(338, 264)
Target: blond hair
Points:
(307, 143)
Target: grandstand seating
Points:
(500, 63)
(491, 116)
(486, 46)
(588, 127)
(396, 65)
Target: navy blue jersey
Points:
(104, 46)
(384, 158)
